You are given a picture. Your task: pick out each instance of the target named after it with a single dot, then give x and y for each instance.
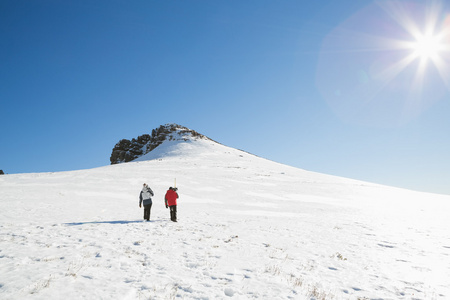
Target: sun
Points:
(427, 47)
(429, 35)
(428, 43)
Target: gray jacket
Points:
(146, 196)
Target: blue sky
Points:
(312, 84)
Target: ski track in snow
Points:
(248, 228)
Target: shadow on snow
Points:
(110, 222)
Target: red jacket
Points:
(171, 197)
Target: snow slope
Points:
(248, 228)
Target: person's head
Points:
(171, 188)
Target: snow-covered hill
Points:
(248, 228)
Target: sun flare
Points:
(429, 39)
(428, 43)
(387, 63)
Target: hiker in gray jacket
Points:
(146, 198)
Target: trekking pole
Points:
(175, 183)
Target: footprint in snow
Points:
(229, 292)
(386, 246)
(231, 239)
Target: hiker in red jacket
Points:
(171, 202)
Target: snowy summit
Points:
(247, 228)
(126, 150)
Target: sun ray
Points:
(443, 68)
(418, 81)
(396, 10)
(390, 72)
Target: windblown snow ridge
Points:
(126, 150)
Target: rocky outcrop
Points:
(128, 150)
(1, 172)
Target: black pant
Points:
(147, 209)
(173, 213)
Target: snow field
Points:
(248, 228)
